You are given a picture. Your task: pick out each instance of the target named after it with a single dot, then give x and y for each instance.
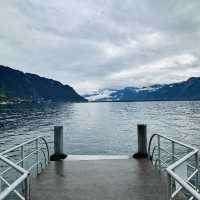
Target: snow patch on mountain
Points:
(115, 94)
(148, 89)
(102, 94)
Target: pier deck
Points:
(104, 179)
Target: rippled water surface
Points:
(100, 128)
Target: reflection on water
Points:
(100, 128)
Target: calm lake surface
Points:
(100, 128)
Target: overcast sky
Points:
(95, 44)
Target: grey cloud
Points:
(85, 42)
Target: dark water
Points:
(100, 128)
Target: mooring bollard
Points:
(58, 144)
(142, 141)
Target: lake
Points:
(100, 128)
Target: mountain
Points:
(30, 87)
(2, 96)
(183, 91)
(105, 94)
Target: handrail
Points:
(15, 191)
(171, 168)
(167, 138)
(12, 187)
(24, 143)
(25, 173)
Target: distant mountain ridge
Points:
(183, 91)
(30, 87)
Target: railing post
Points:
(159, 156)
(22, 163)
(142, 141)
(173, 160)
(27, 188)
(58, 144)
(173, 152)
(197, 167)
(37, 155)
(22, 156)
(169, 188)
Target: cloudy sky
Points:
(95, 44)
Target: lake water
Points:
(100, 128)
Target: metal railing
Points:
(182, 170)
(21, 161)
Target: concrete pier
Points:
(114, 178)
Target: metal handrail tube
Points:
(170, 169)
(12, 187)
(34, 165)
(17, 163)
(20, 161)
(23, 144)
(44, 155)
(29, 155)
(184, 184)
(15, 191)
(26, 157)
(169, 153)
(169, 139)
(192, 167)
(164, 163)
(188, 179)
(17, 146)
(12, 164)
(24, 173)
(192, 186)
(47, 146)
(182, 160)
(192, 175)
(156, 147)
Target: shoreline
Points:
(92, 102)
